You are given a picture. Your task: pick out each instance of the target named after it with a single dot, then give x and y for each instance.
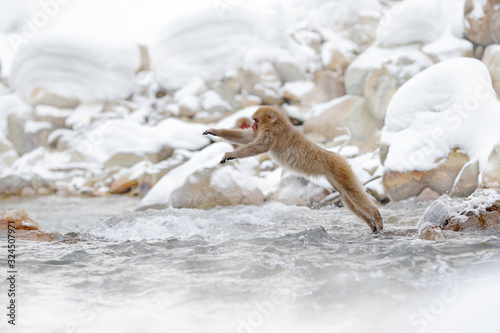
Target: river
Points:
(269, 268)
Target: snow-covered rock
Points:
(160, 196)
(444, 117)
(402, 62)
(105, 138)
(479, 211)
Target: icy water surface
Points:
(270, 268)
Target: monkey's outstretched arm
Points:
(238, 136)
(261, 145)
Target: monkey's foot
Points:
(375, 227)
(210, 132)
(225, 159)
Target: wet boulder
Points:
(25, 227)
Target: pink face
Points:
(255, 127)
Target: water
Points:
(271, 268)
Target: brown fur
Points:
(286, 145)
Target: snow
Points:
(82, 116)
(75, 68)
(451, 104)
(412, 21)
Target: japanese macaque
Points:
(243, 123)
(273, 132)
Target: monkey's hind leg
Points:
(358, 212)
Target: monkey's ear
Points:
(272, 116)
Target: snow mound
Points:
(451, 104)
(86, 69)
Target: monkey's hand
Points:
(227, 157)
(211, 131)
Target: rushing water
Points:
(270, 268)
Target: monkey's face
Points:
(255, 126)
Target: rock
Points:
(189, 106)
(263, 81)
(482, 23)
(7, 157)
(328, 85)
(479, 211)
(16, 134)
(432, 233)
(145, 59)
(491, 59)
(403, 185)
(123, 184)
(337, 55)
(212, 102)
(491, 173)
(289, 72)
(125, 160)
(55, 116)
(199, 192)
(379, 88)
(402, 63)
(308, 38)
(295, 190)
(428, 195)
(349, 111)
(466, 182)
(12, 185)
(38, 133)
(128, 159)
(248, 100)
(24, 226)
(41, 96)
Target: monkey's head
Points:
(264, 117)
(243, 123)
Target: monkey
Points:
(243, 123)
(273, 132)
